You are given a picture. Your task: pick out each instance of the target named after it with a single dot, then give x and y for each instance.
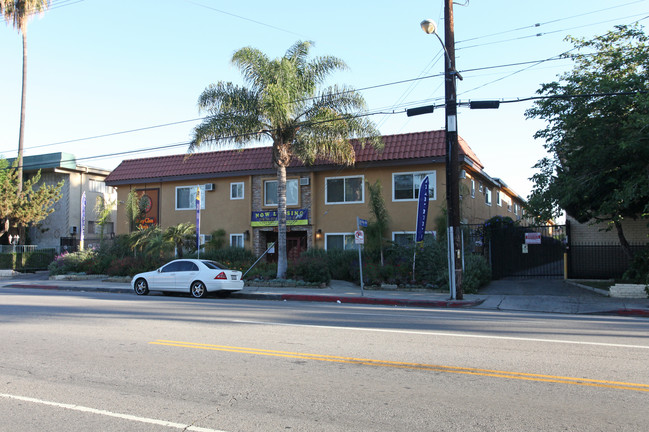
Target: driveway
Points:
(535, 287)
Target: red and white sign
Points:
(533, 238)
(359, 237)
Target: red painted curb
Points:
(380, 301)
(633, 312)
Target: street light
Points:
(452, 154)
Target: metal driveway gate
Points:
(526, 252)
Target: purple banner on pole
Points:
(422, 210)
(82, 237)
(198, 218)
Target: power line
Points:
(243, 18)
(536, 25)
(554, 31)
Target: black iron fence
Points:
(599, 261)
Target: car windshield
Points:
(214, 265)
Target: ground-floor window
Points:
(236, 240)
(341, 241)
(407, 238)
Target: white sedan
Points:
(195, 276)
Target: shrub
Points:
(232, 257)
(310, 269)
(477, 273)
(130, 266)
(638, 271)
(76, 262)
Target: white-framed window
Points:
(344, 190)
(292, 192)
(515, 209)
(472, 188)
(405, 186)
(487, 196)
(236, 191)
(344, 241)
(186, 197)
(499, 199)
(407, 238)
(236, 240)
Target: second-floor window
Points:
(344, 190)
(186, 197)
(405, 186)
(270, 192)
(236, 191)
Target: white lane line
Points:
(464, 335)
(80, 408)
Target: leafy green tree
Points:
(378, 227)
(598, 117)
(135, 208)
(19, 209)
(18, 13)
(285, 104)
(103, 210)
(181, 236)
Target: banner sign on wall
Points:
(269, 217)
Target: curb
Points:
(360, 300)
(69, 288)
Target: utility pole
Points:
(452, 158)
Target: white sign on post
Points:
(359, 237)
(533, 238)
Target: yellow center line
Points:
(406, 365)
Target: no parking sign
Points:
(359, 237)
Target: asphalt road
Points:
(91, 361)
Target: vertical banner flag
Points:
(83, 220)
(198, 219)
(422, 210)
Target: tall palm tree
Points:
(19, 12)
(285, 104)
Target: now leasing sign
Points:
(532, 238)
(269, 217)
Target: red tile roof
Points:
(419, 145)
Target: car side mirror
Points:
(159, 270)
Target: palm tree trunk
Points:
(282, 261)
(21, 134)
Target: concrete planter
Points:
(628, 291)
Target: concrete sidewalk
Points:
(552, 296)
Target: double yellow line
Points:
(405, 365)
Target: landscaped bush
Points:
(76, 262)
(310, 269)
(638, 271)
(231, 257)
(477, 273)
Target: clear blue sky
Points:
(97, 67)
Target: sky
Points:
(120, 79)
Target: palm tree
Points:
(19, 12)
(181, 236)
(285, 105)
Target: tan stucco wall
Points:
(234, 215)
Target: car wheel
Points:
(198, 289)
(141, 287)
